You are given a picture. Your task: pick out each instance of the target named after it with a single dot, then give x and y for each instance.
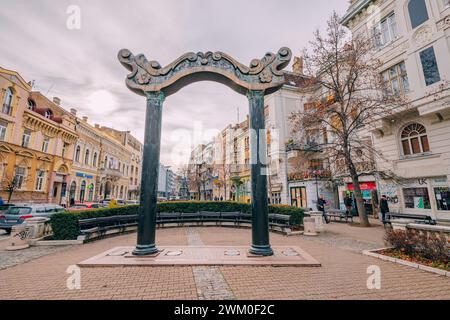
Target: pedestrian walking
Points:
(1, 201)
(321, 207)
(348, 202)
(384, 208)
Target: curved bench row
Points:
(97, 227)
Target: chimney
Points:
(297, 67)
(97, 126)
(57, 101)
(85, 119)
(73, 112)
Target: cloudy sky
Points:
(81, 67)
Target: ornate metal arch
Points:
(148, 76)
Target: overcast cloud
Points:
(81, 67)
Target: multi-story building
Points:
(48, 154)
(37, 139)
(412, 40)
(129, 163)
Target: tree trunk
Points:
(364, 220)
(10, 193)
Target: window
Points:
(416, 198)
(39, 180)
(26, 138)
(31, 104)
(385, 31)
(442, 195)
(417, 12)
(48, 114)
(77, 154)
(415, 140)
(3, 127)
(64, 149)
(45, 144)
(94, 159)
(429, 66)
(298, 197)
(86, 157)
(395, 80)
(315, 164)
(19, 177)
(7, 102)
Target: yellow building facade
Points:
(36, 143)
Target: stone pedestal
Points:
(309, 225)
(38, 228)
(318, 219)
(20, 234)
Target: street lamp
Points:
(316, 174)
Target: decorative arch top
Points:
(148, 76)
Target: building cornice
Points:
(354, 10)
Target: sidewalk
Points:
(342, 275)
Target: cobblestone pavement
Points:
(351, 237)
(343, 274)
(3, 235)
(209, 280)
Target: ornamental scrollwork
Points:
(148, 76)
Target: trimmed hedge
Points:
(65, 225)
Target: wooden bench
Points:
(341, 214)
(99, 227)
(417, 218)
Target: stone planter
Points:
(310, 226)
(318, 220)
(20, 234)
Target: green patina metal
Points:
(148, 76)
(263, 76)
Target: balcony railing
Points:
(309, 175)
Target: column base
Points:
(145, 250)
(264, 251)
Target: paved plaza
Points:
(40, 272)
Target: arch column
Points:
(150, 171)
(258, 156)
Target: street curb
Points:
(373, 254)
(56, 242)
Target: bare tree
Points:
(348, 97)
(11, 183)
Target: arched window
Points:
(417, 12)
(415, 140)
(48, 114)
(77, 154)
(7, 101)
(31, 105)
(94, 159)
(86, 157)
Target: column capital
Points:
(156, 96)
(252, 94)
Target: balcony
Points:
(114, 174)
(309, 175)
(240, 169)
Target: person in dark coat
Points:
(321, 207)
(384, 208)
(348, 202)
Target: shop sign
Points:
(363, 186)
(84, 175)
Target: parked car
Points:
(5, 207)
(132, 202)
(19, 213)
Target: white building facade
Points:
(412, 39)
